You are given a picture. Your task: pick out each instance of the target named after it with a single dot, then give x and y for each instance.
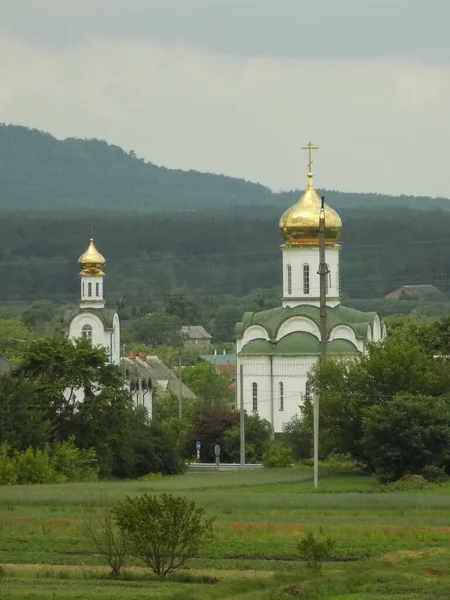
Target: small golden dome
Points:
(299, 225)
(91, 262)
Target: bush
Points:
(63, 462)
(315, 550)
(164, 531)
(434, 474)
(34, 466)
(106, 538)
(277, 455)
(73, 464)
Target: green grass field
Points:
(389, 544)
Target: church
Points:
(277, 348)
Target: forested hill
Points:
(39, 173)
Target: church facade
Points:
(277, 348)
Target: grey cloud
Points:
(276, 28)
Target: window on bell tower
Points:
(289, 279)
(97, 289)
(89, 289)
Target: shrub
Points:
(73, 464)
(315, 550)
(106, 538)
(277, 455)
(34, 466)
(63, 462)
(434, 473)
(164, 531)
(8, 475)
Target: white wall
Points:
(297, 258)
(291, 371)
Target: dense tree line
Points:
(150, 257)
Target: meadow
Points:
(389, 543)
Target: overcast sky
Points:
(239, 86)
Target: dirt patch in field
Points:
(435, 572)
(396, 557)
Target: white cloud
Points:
(381, 124)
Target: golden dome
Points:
(299, 225)
(91, 262)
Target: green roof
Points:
(105, 314)
(271, 320)
(219, 359)
(298, 344)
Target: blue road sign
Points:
(198, 446)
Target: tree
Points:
(209, 426)
(203, 379)
(258, 435)
(298, 435)
(406, 434)
(400, 364)
(158, 329)
(24, 421)
(13, 338)
(164, 531)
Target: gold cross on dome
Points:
(310, 148)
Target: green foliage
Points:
(164, 531)
(298, 433)
(315, 550)
(14, 335)
(277, 455)
(258, 435)
(158, 329)
(74, 464)
(406, 434)
(207, 384)
(434, 474)
(60, 463)
(105, 537)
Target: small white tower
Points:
(92, 320)
(92, 263)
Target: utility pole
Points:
(323, 274)
(180, 395)
(242, 414)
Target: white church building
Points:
(278, 347)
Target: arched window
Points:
(255, 396)
(289, 279)
(82, 288)
(281, 395)
(306, 279)
(89, 289)
(97, 289)
(86, 332)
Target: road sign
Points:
(217, 449)
(198, 454)
(198, 446)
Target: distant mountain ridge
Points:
(39, 173)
